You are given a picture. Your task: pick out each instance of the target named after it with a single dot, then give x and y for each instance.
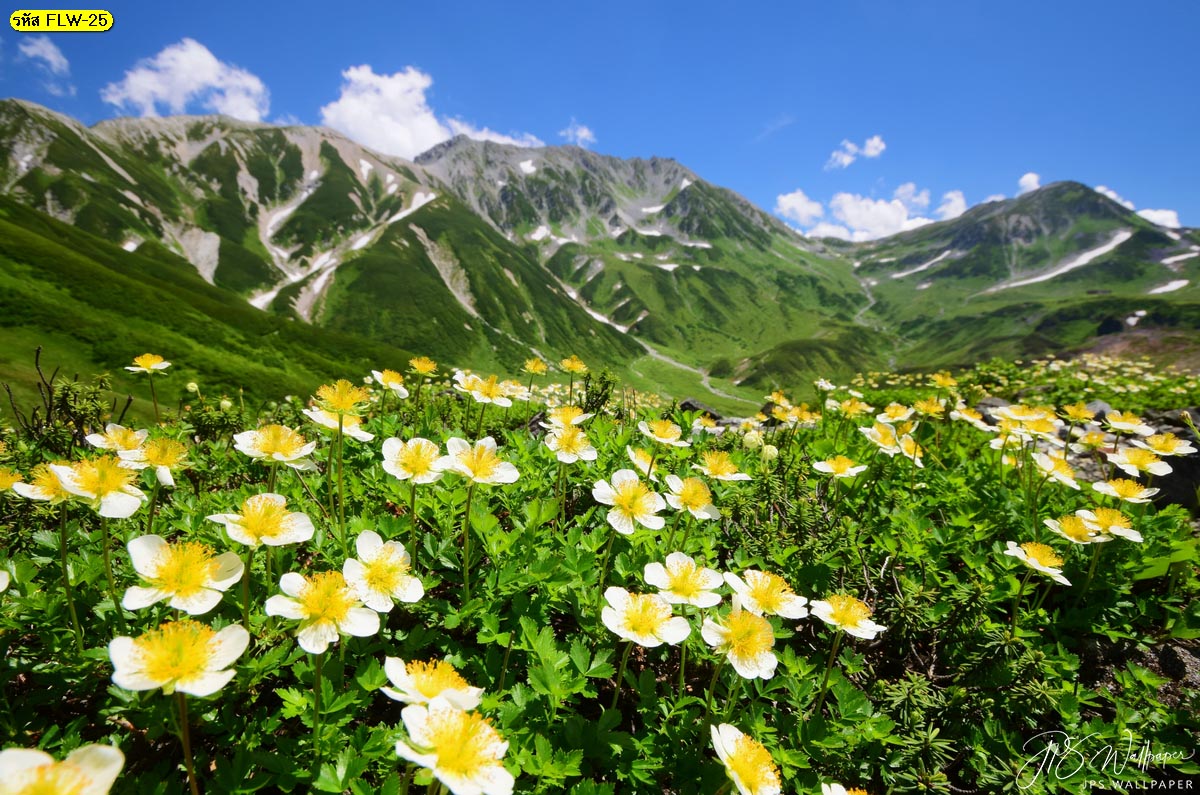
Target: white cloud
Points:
(1028, 181)
(912, 198)
(185, 74)
(954, 204)
(1112, 194)
(40, 48)
(391, 114)
(51, 62)
(995, 197)
(1168, 218)
(874, 146)
(868, 219)
(849, 151)
(795, 206)
(578, 134)
(826, 229)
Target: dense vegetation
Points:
(924, 625)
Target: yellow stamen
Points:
(432, 678)
(847, 611)
(326, 597)
(175, 651)
(752, 765)
(1041, 554)
(184, 569)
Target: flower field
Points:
(434, 580)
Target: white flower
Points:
(840, 467)
(570, 444)
(381, 573)
(391, 380)
(421, 682)
(325, 605)
(681, 581)
(104, 483)
(664, 432)
(414, 460)
(632, 502)
(277, 444)
(1038, 557)
(1134, 461)
(117, 438)
(265, 520)
(5, 578)
(747, 763)
(478, 463)
(848, 614)
(693, 496)
(88, 770)
(181, 656)
(461, 749)
(188, 574)
(746, 640)
(763, 593)
(645, 619)
(351, 425)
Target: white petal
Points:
(650, 522)
(228, 644)
(623, 476)
(360, 622)
(456, 446)
(367, 545)
(145, 552)
(165, 478)
(284, 607)
(292, 583)
(229, 570)
(315, 638)
(100, 763)
(198, 603)
(675, 629)
(713, 633)
(396, 672)
(205, 684)
(411, 590)
(296, 528)
(121, 504)
(675, 484)
(620, 522)
(612, 619)
(656, 575)
(603, 493)
(137, 598)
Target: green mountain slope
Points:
(482, 254)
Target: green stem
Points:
(154, 397)
(317, 661)
(412, 515)
(1012, 629)
(108, 572)
(1091, 569)
(621, 674)
(674, 528)
(837, 644)
(559, 497)
(504, 665)
(185, 736)
(62, 549)
(246, 588)
(153, 507)
(604, 562)
(712, 686)
(341, 487)
(272, 469)
(466, 545)
(479, 425)
(732, 697)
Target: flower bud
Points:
(752, 440)
(769, 452)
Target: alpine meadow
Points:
(459, 462)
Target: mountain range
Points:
(271, 257)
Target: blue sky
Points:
(943, 104)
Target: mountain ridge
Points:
(487, 253)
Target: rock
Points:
(691, 404)
(1099, 408)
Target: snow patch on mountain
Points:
(1169, 287)
(1078, 261)
(528, 167)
